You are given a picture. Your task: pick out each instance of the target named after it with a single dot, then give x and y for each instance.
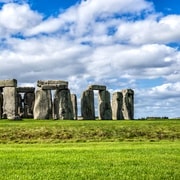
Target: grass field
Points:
(50, 131)
(106, 160)
(47, 149)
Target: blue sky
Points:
(118, 43)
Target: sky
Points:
(118, 43)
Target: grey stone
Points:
(87, 105)
(8, 83)
(43, 104)
(105, 111)
(20, 109)
(25, 89)
(63, 108)
(29, 100)
(117, 102)
(54, 87)
(128, 104)
(1, 105)
(51, 82)
(74, 104)
(9, 102)
(97, 87)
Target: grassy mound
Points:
(50, 131)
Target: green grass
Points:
(50, 131)
(80, 150)
(81, 161)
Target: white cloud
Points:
(165, 30)
(95, 42)
(16, 18)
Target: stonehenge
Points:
(52, 99)
(58, 107)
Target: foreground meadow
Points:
(33, 150)
(106, 160)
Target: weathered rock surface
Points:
(29, 100)
(9, 102)
(1, 105)
(63, 108)
(74, 104)
(25, 89)
(20, 109)
(43, 104)
(51, 83)
(8, 83)
(87, 105)
(54, 87)
(128, 104)
(97, 87)
(117, 102)
(105, 111)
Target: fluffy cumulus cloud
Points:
(116, 43)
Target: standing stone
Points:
(117, 102)
(63, 108)
(128, 104)
(29, 99)
(74, 104)
(56, 105)
(87, 105)
(20, 109)
(105, 111)
(9, 102)
(1, 104)
(43, 104)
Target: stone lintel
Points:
(54, 87)
(51, 83)
(130, 91)
(8, 83)
(97, 87)
(25, 89)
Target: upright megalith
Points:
(87, 105)
(43, 104)
(63, 108)
(1, 103)
(61, 105)
(29, 100)
(128, 104)
(105, 111)
(9, 103)
(26, 99)
(117, 103)
(74, 105)
(20, 109)
(9, 98)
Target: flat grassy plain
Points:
(47, 149)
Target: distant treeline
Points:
(164, 117)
